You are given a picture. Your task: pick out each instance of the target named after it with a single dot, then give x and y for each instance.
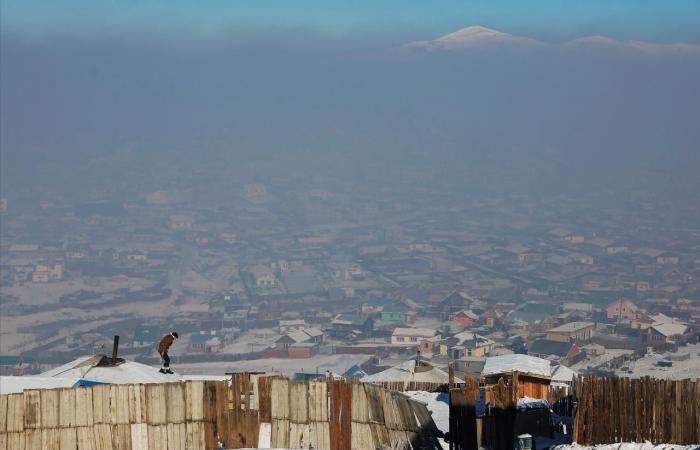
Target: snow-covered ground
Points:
(627, 446)
(438, 404)
(680, 370)
(285, 366)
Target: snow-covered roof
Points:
(125, 373)
(408, 372)
(562, 374)
(670, 329)
(418, 332)
(16, 385)
(571, 327)
(521, 363)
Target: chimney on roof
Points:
(115, 349)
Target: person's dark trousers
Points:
(166, 361)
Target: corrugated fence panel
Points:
(68, 438)
(66, 407)
(121, 437)
(280, 433)
(177, 436)
(32, 409)
(299, 435)
(280, 398)
(375, 404)
(50, 439)
(138, 409)
(380, 436)
(139, 436)
(359, 409)
(196, 436)
(15, 441)
(194, 397)
(86, 438)
(156, 401)
(32, 439)
(49, 408)
(100, 404)
(3, 415)
(3, 440)
(298, 402)
(15, 413)
(83, 407)
(408, 418)
(103, 436)
(321, 435)
(390, 411)
(119, 404)
(157, 437)
(318, 401)
(176, 406)
(361, 436)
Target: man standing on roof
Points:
(163, 347)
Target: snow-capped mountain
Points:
(478, 36)
(472, 37)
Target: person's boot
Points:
(169, 372)
(162, 370)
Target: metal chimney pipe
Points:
(115, 348)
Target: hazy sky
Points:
(658, 20)
(81, 80)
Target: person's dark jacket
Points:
(165, 344)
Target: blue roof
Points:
(86, 383)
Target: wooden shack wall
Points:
(105, 417)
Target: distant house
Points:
(466, 344)
(205, 343)
(491, 318)
(376, 305)
(46, 272)
(532, 312)
(571, 332)
(145, 335)
(425, 339)
(412, 336)
(393, 313)
(16, 365)
(181, 222)
(534, 374)
(660, 336)
(667, 259)
(623, 309)
(575, 239)
(465, 318)
(263, 277)
(452, 304)
(345, 325)
(307, 335)
(567, 352)
(302, 350)
(286, 326)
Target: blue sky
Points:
(654, 20)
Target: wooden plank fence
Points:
(332, 415)
(463, 423)
(614, 410)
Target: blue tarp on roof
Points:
(87, 383)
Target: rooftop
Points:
(571, 327)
